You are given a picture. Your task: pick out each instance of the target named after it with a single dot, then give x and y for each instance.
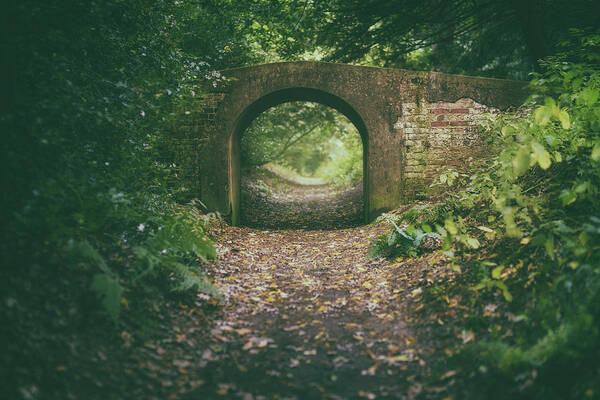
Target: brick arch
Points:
(274, 99)
(414, 125)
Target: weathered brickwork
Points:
(438, 136)
(186, 145)
(413, 125)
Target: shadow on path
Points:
(272, 202)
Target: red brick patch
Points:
(458, 123)
(439, 123)
(438, 111)
(460, 111)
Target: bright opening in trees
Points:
(302, 167)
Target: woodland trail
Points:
(306, 315)
(269, 201)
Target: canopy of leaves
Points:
(488, 38)
(311, 139)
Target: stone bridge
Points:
(413, 125)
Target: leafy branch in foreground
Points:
(86, 202)
(409, 241)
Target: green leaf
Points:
(521, 161)
(502, 286)
(542, 115)
(507, 296)
(582, 187)
(507, 130)
(84, 251)
(110, 291)
(450, 226)
(565, 121)
(596, 152)
(541, 155)
(497, 272)
(550, 139)
(573, 265)
(549, 102)
(589, 96)
(557, 157)
(451, 177)
(567, 197)
(473, 242)
(508, 215)
(484, 228)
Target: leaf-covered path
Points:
(271, 201)
(306, 315)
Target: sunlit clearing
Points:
(302, 167)
(305, 140)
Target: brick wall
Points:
(438, 136)
(185, 145)
(412, 122)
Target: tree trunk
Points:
(531, 19)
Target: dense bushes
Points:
(525, 227)
(88, 88)
(91, 239)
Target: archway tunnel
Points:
(298, 161)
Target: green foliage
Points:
(409, 241)
(526, 228)
(309, 138)
(110, 291)
(491, 38)
(175, 251)
(86, 90)
(428, 214)
(344, 163)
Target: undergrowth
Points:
(403, 241)
(524, 227)
(91, 237)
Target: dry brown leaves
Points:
(305, 315)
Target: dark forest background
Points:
(90, 229)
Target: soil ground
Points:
(269, 201)
(305, 314)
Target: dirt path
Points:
(313, 316)
(271, 202)
(306, 315)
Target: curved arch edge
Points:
(276, 98)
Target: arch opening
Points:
(271, 100)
